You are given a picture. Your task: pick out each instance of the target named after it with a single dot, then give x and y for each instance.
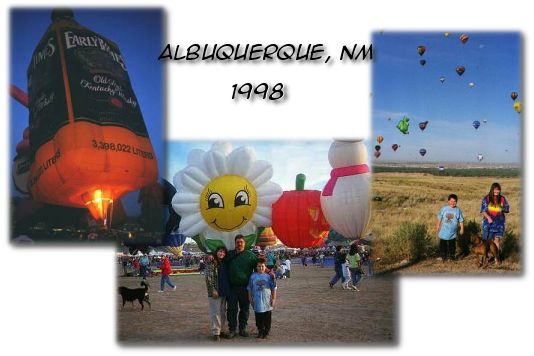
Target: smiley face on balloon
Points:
(223, 193)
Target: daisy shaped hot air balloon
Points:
(224, 193)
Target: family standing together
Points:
(236, 280)
(493, 208)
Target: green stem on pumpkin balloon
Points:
(299, 181)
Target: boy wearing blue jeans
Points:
(449, 217)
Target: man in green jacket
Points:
(241, 264)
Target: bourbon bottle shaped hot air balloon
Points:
(89, 143)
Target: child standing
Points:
(262, 297)
(449, 217)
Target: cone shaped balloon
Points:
(460, 70)
(421, 50)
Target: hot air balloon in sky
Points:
(485, 121)
(446, 34)
(377, 154)
(471, 85)
(346, 197)
(223, 193)
(460, 70)
(377, 148)
(403, 125)
(422, 125)
(442, 79)
(464, 38)
(421, 50)
(395, 147)
(514, 95)
(379, 139)
(422, 151)
(298, 220)
(480, 157)
(89, 146)
(422, 62)
(517, 106)
(476, 124)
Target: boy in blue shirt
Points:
(449, 217)
(262, 297)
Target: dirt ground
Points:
(464, 266)
(307, 311)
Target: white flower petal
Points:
(215, 163)
(262, 217)
(186, 198)
(240, 161)
(224, 147)
(268, 193)
(192, 225)
(260, 173)
(194, 179)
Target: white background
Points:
(62, 300)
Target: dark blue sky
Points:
(402, 86)
(139, 35)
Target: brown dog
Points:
(482, 248)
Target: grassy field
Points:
(400, 198)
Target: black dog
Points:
(141, 294)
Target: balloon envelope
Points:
(464, 38)
(480, 157)
(421, 50)
(403, 125)
(422, 125)
(379, 139)
(422, 62)
(348, 206)
(476, 124)
(422, 152)
(517, 106)
(514, 95)
(460, 70)
(377, 154)
(442, 79)
(394, 147)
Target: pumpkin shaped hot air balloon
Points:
(89, 145)
(346, 197)
(298, 220)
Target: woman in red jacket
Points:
(165, 271)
